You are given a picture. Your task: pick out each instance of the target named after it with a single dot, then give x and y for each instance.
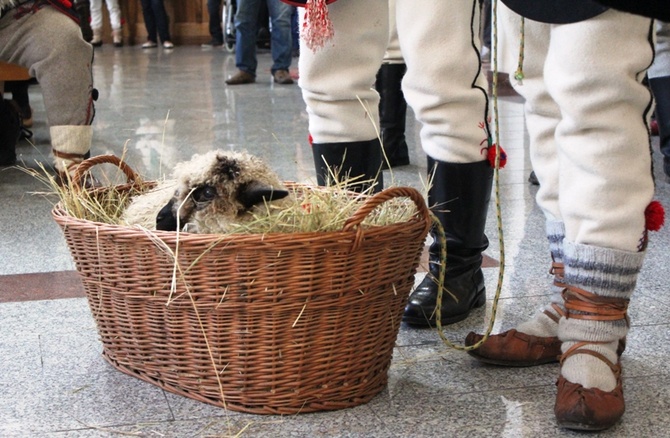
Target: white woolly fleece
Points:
(203, 169)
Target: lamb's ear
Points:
(165, 219)
(256, 192)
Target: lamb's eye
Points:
(204, 194)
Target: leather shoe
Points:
(282, 77)
(241, 77)
(515, 349)
(582, 408)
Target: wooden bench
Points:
(12, 72)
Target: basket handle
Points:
(87, 164)
(379, 198)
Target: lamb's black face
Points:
(254, 193)
(165, 219)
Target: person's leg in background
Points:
(486, 30)
(96, 22)
(246, 32)
(281, 40)
(65, 76)
(343, 108)
(115, 21)
(392, 104)
(162, 23)
(447, 90)
(659, 81)
(215, 26)
(21, 100)
(149, 24)
(295, 32)
(10, 132)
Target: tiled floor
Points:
(161, 107)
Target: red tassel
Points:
(310, 139)
(491, 156)
(654, 216)
(317, 28)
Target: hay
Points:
(308, 209)
(105, 205)
(322, 209)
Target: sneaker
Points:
(212, 43)
(149, 45)
(283, 77)
(168, 45)
(241, 77)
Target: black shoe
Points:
(532, 178)
(468, 287)
(212, 43)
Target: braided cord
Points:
(440, 228)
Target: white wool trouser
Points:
(114, 13)
(50, 46)
(393, 55)
(444, 84)
(587, 112)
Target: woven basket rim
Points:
(61, 215)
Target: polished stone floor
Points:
(157, 108)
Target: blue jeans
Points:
(156, 20)
(246, 27)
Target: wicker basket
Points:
(266, 324)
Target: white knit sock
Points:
(542, 324)
(70, 143)
(605, 273)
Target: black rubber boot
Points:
(10, 132)
(358, 162)
(660, 87)
(459, 196)
(392, 114)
